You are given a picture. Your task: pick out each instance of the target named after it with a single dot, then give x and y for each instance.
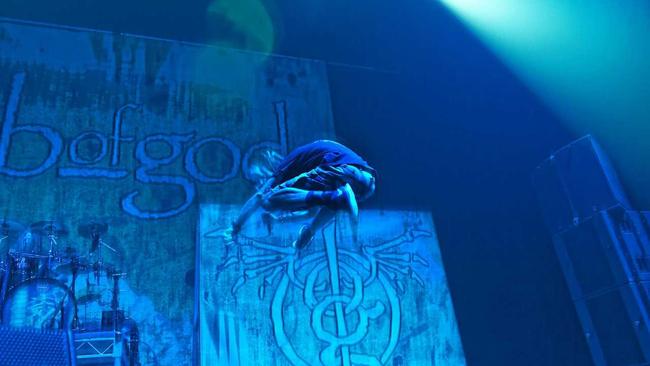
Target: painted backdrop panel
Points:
(135, 132)
(381, 301)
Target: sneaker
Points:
(304, 238)
(348, 200)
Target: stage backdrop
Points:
(380, 301)
(135, 132)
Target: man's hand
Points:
(231, 233)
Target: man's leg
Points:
(285, 197)
(307, 232)
(271, 218)
(310, 190)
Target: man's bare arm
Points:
(249, 208)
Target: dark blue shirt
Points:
(317, 153)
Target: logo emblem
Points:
(340, 304)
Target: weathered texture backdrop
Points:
(135, 132)
(382, 300)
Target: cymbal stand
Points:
(4, 270)
(4, 283)
(51, 237)
(115, 304)
(99, 243)
(73, 285)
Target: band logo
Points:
(105, 163)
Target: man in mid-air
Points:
(324, 176)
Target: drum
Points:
(40, 303)
(25, 266)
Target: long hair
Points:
(263, 166)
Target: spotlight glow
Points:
(588, 60)
(248, 20)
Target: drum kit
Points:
(47, 284)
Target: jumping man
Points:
(324, 176)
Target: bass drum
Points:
(40, 303)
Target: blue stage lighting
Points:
(588, 60)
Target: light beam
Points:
(588, 60)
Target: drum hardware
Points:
(62, 324)
(79, 265)
(75, 265)
(112, 320)
(28, 243)
(103, 272)
(94, 231)
(115, 302)
(41, 281)
(91, 229)
(60, 309)
(26, 265)
(117, 315)
(10, 228)
(49, 228)
(4, 283)
(52, 230)
(38, 303)
(90, 297)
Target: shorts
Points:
(329, 178)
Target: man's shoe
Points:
(304, 238)
(348, 201)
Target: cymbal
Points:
(88, 298)
(49, 227)
(92, 229)
(8, 227)
(70, 251)
(82, 267)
